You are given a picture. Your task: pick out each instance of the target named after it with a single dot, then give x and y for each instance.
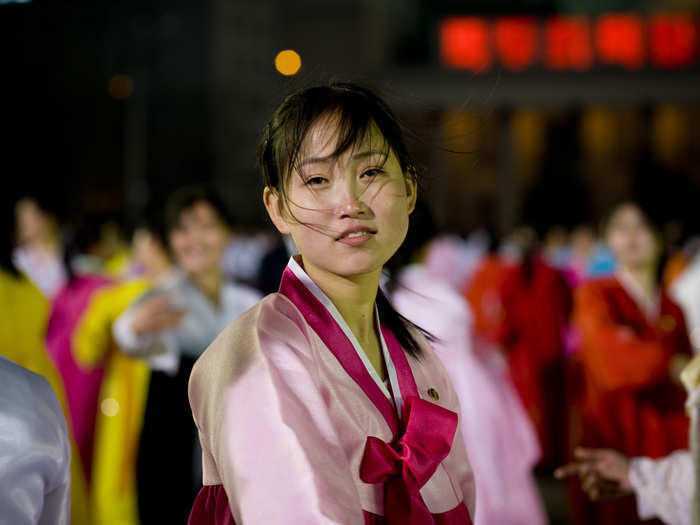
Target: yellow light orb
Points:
(288, 62)
(109, 407)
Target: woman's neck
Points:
(644, 276)
(354, 297)
(209, 283)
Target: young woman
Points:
(321, 404)
(634, 345)
(171, 326)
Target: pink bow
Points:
(409, 464)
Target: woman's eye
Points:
(372, 172)
(314, 181)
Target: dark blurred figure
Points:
(634, 344)
(537, 304)
(273, 264)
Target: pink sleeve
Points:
(265, 431)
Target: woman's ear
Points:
(273, 205)
(411, 192)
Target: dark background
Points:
(205, 83)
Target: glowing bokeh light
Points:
(109, 407)
(121, 86)
(288, 62)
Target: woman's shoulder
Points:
(272, 324)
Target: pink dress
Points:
(498, 435)
(82, 385)
(297, 427)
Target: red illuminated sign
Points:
(570, 43)
(619, 40)
(567, 43)
(515, 39)
(464, 43)
(673, 41)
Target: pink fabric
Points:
(82, 386)
(430, 430)
(211, 508)
(333, 336)
(283, 425)
(497, 433)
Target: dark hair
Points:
(7, 229)
(187, 197)
(358, 110)
(662, 255)
(621, 203)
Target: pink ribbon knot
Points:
(407, 465)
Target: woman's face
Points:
(199, 240)
(32, 222)
(346, 214)
(631, 238)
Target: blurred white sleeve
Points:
(160, 349)
(664, 487)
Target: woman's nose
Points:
(351, 202)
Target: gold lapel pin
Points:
(433, 394)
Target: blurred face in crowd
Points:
(32, 222)
(347, 213)
(148, 252)
(631, 237)
(199, 239)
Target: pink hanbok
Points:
(297, 427)
(82, 385)
(498, 435)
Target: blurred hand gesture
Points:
(156, 314)
(603, 473)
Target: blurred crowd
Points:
(586, 329)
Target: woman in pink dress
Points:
(321, 404)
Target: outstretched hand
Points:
(156, 314)
(603, 473)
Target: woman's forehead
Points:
(324, 138)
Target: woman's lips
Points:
(356, 238)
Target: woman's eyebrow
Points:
(368, 153)
(356, 156)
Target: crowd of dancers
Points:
(557, 345)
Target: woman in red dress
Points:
(634, 345)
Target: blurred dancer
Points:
(123, 392)
(536, 308)
(170, 327)
(484, 292)
(498, 435)
(23, 324)
(39, 253)
(321, 404)
(634, 345)
(35, 452)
